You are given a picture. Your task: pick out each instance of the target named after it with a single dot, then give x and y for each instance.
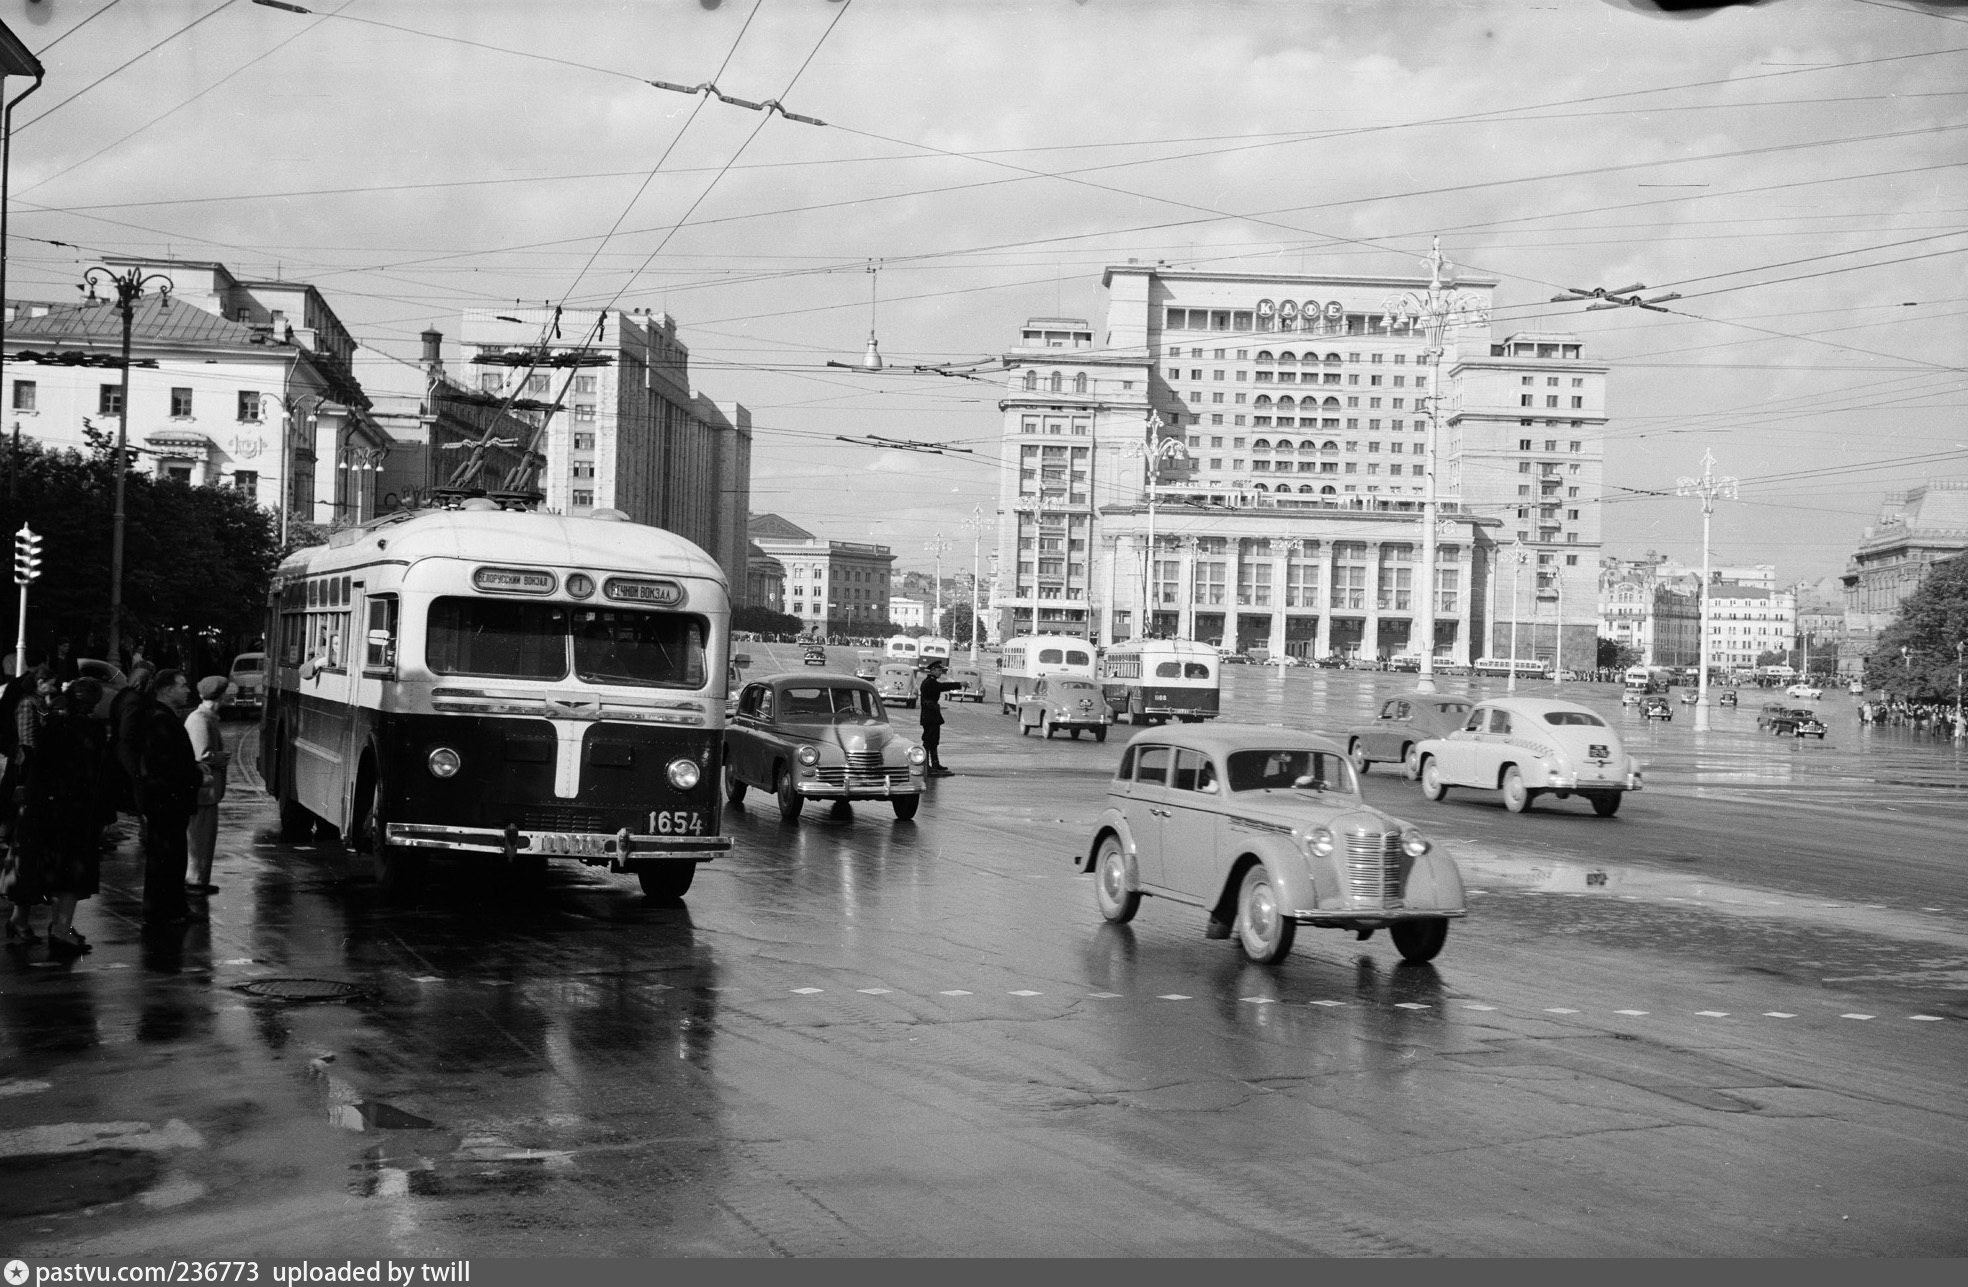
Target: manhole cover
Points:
(301, 989)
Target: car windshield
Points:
(1287, 770)
(246, 665)
(829, 705)
(1574, 717)
(1453, 708)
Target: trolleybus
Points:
(1025, 659)
(1151, 681)
(505, 687)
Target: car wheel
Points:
(667, 883)
(1432, 786)
(1358, 754)
(1410, 763)
(790, 801)
(1045, 727)
(1419, 941)
(734, 789)
(1264, 931)
(1605, 803)
(1516, 796)
(1100, 734)
(906, 806)
(1022, 728)
(1116, 901)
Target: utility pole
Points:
(130, 286)
(1708, 487)
(936, 546)
(1518, 558)
(1435, 309)
(976, 525)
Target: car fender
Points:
(1291, 873)
(1113, 820)
(1434, 884)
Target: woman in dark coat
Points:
(61, 819)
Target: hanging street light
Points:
(1436, 310)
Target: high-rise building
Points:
(623, 430)
(1288, 421)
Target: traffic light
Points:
(27, 555)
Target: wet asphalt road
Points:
(1727, 1022)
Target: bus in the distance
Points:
(1152, 681)
(1025, 659)
(504, 687)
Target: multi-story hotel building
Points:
(1289, 423)
(1747, 621)
(629, 433)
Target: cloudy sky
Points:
(1794, 170)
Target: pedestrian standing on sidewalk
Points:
(202, 727)
(933, 686)
(123, 710)
(60, 824)
(166, 775)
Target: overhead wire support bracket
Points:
(769, 105)
(1624, 297)
(903, 444)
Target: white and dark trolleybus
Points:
(1152, 681)
(505, 687)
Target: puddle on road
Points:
(1481, 868)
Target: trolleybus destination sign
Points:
(514, 581)
(661, 594)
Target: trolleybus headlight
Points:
(445, 763)
(684, 774)
(809, 755)
(1414, 844)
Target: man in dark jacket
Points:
(123, 711)
(157, 754)
(929, 691)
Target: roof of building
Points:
(772, 527)
(152, 320)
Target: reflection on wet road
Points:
(1726, 1022)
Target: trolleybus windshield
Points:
(500, 639)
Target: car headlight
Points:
(809, 755)
(918, 756)
(445, 762)
(684, 774)
(1319, 842)
(1414, 844)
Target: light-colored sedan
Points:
(1264, 828)
(819, 737)
(1403, 723)
(1808, 692)
(1063, 702)
(1526, 747)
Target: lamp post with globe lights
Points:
(1157, 451)
(1708, 486)
(1436, 310)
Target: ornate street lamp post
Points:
(1157, 451)
(130, 287)
(1436, 310)
(1708, 486)
(1519, 557)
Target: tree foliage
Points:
(765, 621)
(197, 561)
(1614, 655)
(1916, 657)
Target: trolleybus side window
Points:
(379, 644)
(1074, 658)
(1051, 656)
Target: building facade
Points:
(1747, 621)
(233, 383)
(765, 580)
(618, 425)
(833, 587)
(1915, 530)
(1280, 424)
(1650, 606)
(454, 438)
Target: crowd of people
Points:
(78, 757)
(1937, 718)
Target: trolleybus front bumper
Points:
(620, 851)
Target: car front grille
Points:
(1373, 867)
(872, 775)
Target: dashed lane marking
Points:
(1260, 1000)
(1925, 1018)
(1777, 1014)
(1172, 996)
(1412, 1005)
(874, 992)
(807, 992)
(1026, 992)
(954, 992)
(1855, 1016)
(1558, 1009)
(1103, 996)
(1326, 1003)
(1713, 1014)
(1631, 1013)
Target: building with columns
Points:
(1283, 516)
(833, 587)
(1915, 530)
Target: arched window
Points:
(1264, 355)
(1287, 359)
(1079, 382)
(1031, 379)
(1332, 404)
(1287, 403)
(1305, 488)
(1259, 487)
(1058, 382)
(1332, 359)
(1262, 444)
(1263, 402)
(1329, 490)
(1308, 445)
(1331, 445)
